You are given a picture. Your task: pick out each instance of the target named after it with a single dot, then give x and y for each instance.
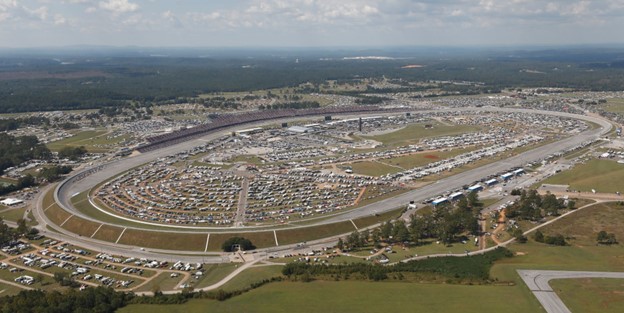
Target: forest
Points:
(40, 84)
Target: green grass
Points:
(253, 275)
(297, 235)
(83, 138)
(56, 214)
(163, 240)
(422, 159)
(363, 222)
(13, 214)
(214, 273)
(8, 290)
(108, 233)
(414, 133)
(591, 295)
(162, 281)
(372, 168)
(355, 296)
(601, 175)
(615, 105)
(80, 226)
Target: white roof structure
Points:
(298, 129)
(439, 200)
(475, 187)
(11, 201)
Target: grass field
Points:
(615, 105)
(363, 222)
(372, 168)
(81, 226)
(362, 297)
(162, 240)
(13, 214)
(83, 138)
(162, 281)
(214, 273)
(253, 275)
(414, 133)
(422, 159)
(601, 175)
(591, 295)
(56, 214)
(108, 233)
(296, 235)
(8, 290)
(581, 254)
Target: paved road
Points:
(538, 283)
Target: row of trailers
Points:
(478, 187)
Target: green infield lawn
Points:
(601, 175)
(361, 297)
(591, 294)
(414, 133)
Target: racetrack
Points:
(73, 185)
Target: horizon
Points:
(308, 23)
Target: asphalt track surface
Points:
(538, 283)
(72, 185)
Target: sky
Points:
(309, 23)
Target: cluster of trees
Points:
(556, 240)
(243, 243)
(115, 81)
(447, 223)
(532, 206)
(53, 173)
(605, 238)
(17, 150)
(23, 182)
(15, 123)
(72, 153)
(8, 234)
(469, 268)
(100, 299)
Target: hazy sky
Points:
(290, 23)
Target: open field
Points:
(81, 226)
(591, 294)
(56, 214)
(162, 281)
(12, 214)
(615, 105)
(9, 290)
(581, 254)
(291, 236)
(214, 273)
(413, 133)
(373, 168)
(374, 219)
(355, 296)
(83, 138)
(253, 275)
(162, 240)
(601, 175)
(108, 233)
(424, 158)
